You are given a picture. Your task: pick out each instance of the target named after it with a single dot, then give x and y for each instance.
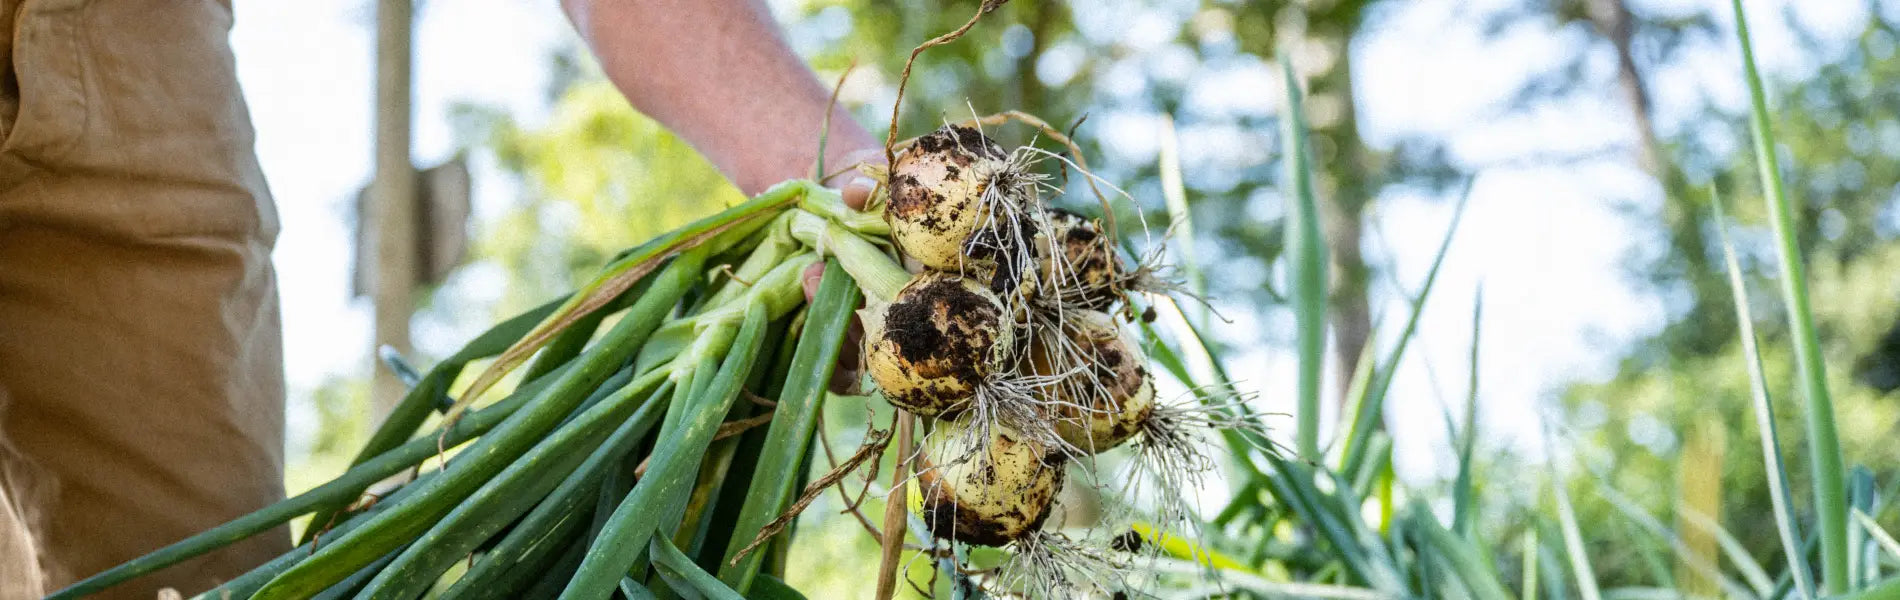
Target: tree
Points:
(1840, 133)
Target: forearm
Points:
(717, 73)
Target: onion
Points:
(1106, 391)
(937, 189)
(1077, 262)
(983, 489)
(940, 338)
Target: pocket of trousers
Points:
(46, 82)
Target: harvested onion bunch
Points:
(1009, 340)
(663, 409)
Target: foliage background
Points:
(1628, 107)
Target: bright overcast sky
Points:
(1544, 242)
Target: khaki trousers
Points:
(141, 371)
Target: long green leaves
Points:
(1824, 445)
(544, 532)
(245, 585)
(1737, 554)
(1777, 473)
(1529, 565)
(432, 391)
(1180, 219)
(1702, 565)
(1465, 563)
(1335, 514)
(656, 503)
(1306, 266)
(709, 235)
(794, 420)
(494, 451)
(1464, 497)
(1886, 590)
(508, 495)
(1880, 536)
(1369, 410)
(682, 569)
(1580, 568)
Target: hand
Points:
(857, 189)
(853, 184)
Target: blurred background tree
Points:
(587, 182)
(1840, 134)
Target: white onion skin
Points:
(939, 339)
(984, 491)
(1118, 398)
(936, 195)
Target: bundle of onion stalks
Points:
(662, 453)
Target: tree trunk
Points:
(393, 194)
(1345, 190)
(1712, 322)
(1613, 21)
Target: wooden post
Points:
(393, 194)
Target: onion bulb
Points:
(1105, 392)
(940, 338)
(983, 489)
(936, 195)
(1077, 263)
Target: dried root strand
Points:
(1172, 456)
(874, 443)
(1010, 217)
(890, 140)
(1153, 274)
(1019, 402)
(1053, 565)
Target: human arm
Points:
(718, 73)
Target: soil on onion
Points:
(1129, 541)
(943, 330)
(1091, 261)
(962, 147)
(986, 244)
(958, 137)
(947, 519)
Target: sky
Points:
(1543, 243)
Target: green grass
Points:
(1786, 522)
(1824, 445)
(1306, 265)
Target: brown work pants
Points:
(141, 372)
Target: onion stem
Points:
(1824, 443)
(877, 274)
(828, 203)
(771, 251)
(778, 292)
(793, 424)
